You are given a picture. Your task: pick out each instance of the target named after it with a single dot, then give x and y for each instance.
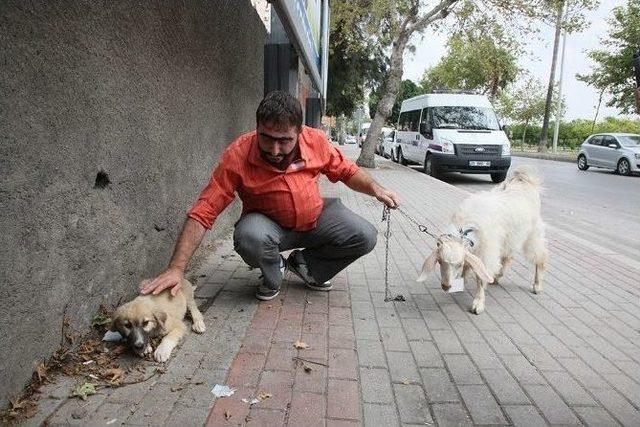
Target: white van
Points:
(447, 132)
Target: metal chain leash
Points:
(386, 216)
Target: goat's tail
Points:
(525, 174)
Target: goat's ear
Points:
(428, 265)
(477, 266)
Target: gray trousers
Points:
(340, 238)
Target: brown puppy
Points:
(149, 316)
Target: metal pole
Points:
(556, 131)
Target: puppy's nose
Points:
(138, 345)
(445, 287)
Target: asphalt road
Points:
(596, 205)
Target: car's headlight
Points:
(506, 149)
(447, 146)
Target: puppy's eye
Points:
(127, 324)
(145, 323)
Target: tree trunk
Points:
(383, 111)
(542, 146)
(340, 124)
(593, 125)
(524, 133)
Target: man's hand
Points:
(364, 183)
(171, 278)
(387, 197)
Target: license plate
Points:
(476, 163)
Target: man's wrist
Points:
(178, 267)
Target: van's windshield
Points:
(455, 117)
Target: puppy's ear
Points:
(428, 265)
(477, 266)
(161, 318)
(115, 317)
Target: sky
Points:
(581, 100)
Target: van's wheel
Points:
(623, 167)
(401, 158)
(582, 162)
(394, 156)
(429, 168)
(498, 177)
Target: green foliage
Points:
(613, 69)
(355, 61)
(408, 89)
(573, 133)
(525, 102)
(480, 59)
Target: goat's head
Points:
(454, 257)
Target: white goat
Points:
(486, 231)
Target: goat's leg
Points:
(478, 302)
(536, 251)
(504, 263)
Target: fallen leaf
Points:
(227, 414)
(17, 404)
(100, 320)
(300, 345)
(306, 368)
(41, 372)
(177, 387)
(264, 395)
(406, 381)
(84, 390)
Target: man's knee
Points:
(367, 237)
(250, 238)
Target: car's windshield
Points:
(465, 118)
(629, 140)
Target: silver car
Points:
(617, 151)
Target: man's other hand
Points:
(171, 278)
(387, 197)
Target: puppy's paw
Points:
(537, 288)
(477, 307)
(163, 352)
(147, 350)
(198, 327)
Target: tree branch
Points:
(441, 10)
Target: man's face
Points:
(276, 141)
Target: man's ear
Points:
(428, 265)
(477, 266)
(161, 318)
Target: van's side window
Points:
(426, 116)
(409, 121)
(402, 120)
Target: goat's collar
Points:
(466, 234)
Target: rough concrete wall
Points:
(147, 92)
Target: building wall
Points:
(112, 115)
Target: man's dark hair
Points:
(281, 109)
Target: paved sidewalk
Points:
(569, 356)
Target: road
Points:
(595, 205)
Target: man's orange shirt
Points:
(290, 197)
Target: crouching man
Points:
(274, 170)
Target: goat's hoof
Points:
(198, 327)
(477, 307)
